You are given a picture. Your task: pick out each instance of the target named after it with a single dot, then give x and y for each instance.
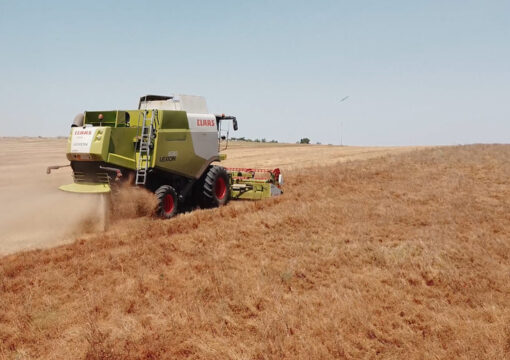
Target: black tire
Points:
(167, 201)
(215, 190)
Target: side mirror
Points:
(234, 121)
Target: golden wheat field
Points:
(39, 215)
(389, 253)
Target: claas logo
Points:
(206, 122)
(83, 132)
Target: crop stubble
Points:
(401, 256)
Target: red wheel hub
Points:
(221, 188)
(168, 203)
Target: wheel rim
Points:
(168, 203)
(221, 188)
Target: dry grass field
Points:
(293, 156)
(401, 256)
(55, 217)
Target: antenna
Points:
(342, 123)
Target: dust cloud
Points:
(130, 202)
(46, 219)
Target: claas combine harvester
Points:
(168, 146)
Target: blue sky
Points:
(416, 72)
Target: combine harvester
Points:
(167, 146)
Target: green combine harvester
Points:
(168, 146)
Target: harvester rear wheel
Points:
(167, 201)
(215, 190)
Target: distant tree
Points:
(263, 140)
(304, 141)
(274, 141)
(318, 143)
(256, 140)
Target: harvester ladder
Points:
(148, 130)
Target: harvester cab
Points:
(169, 145)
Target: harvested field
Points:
(293, 156)
(402, 256)
(56, 217)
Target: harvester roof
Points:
(146, 98)
(190, 103)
